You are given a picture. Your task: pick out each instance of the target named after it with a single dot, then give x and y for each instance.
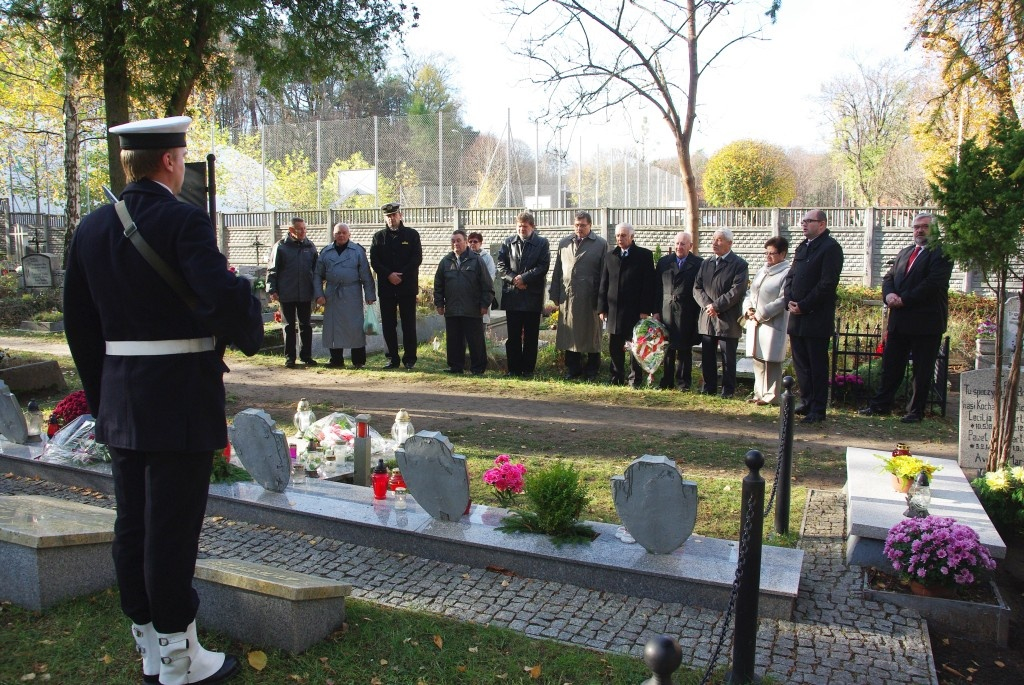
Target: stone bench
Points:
(52, 549)
(268, 606)
(872, 507)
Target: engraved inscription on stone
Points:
(268, 580)
(37, 270)
(977, 414)
(655, 504)
(37, 521)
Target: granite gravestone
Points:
(655, 504)
(977, 409)
(37, 270)
(435, 477)
(12, 420)
(262, 449)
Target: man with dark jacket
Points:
(463, 291)
(811, 298)
(290, 282)
(396, 255)
(626, 295)
(916, 290)
(676, 273)
(719, 289)
(154, 380)
(522, 266)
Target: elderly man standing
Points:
(522, 266)
(575, 282)
(463, 291)
(811, 299)
(916, 290)
(719, 288)
(344, 267)
(676, 273)
(625, 296)
(396, 255)
(290, 281)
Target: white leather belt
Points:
(152, 348)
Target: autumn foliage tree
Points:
(749, 173)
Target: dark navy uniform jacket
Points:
(167, 403)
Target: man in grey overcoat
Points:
(719, 289)
(575, 281)
(346, 271)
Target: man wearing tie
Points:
(719, 289)
(625, 296)
(679, 311)
(916, 290)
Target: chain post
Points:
(745, 632)
(783, 478)
(663, 656)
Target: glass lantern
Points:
(33, 419)
(919, 497)
(304, 417)
(402, 428)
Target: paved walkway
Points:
(835, 637)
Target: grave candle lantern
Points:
(402, 429)
(33, 419)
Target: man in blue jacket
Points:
(153, 377)
(290, 282)
(395, 256)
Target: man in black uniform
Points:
(396, 254)
(153, 378)
(290, 281)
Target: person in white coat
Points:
(349, 282)
(766, 317)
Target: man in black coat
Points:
(396, 255)
(719, 289)
(522, 266)
(676, 273)
(290, 282)
(916, 290)
(811, 298)
(153, 377)
(626, 295)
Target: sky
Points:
(766, 90)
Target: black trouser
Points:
(617, 360)
(521, 346)
(461, 331)
(709, 364)
(899, 348)
(810, 359)
(291, 310)
(161, 501)
(358, 356)
(681, 375)
(406, 307)
(574, 364)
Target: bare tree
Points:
(599, 55)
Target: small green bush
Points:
(49, 315)
(556, 497)
(1002, 495)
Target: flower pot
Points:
(901, 484)
(925, 591)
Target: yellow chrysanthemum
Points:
(996, 480)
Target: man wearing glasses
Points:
(810, 292)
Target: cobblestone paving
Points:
(835, 637)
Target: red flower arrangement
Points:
(70, 408)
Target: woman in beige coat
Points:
(766, 319)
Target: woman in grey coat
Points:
(766, 319)
(349, 282)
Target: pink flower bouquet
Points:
(506, 478)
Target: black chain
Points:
(778, 462)
(741, 557)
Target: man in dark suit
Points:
(522, 266)
(395, 255)
(811, 299)
(916, 290)
(718, 289)
(626, 295)
(676, 273)
(153, 377)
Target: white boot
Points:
(148, 647)
(183, 661)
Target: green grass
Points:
(88, 640)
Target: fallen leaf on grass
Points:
(999, 663)
(257, 660)
(107, 659)
(474, 650)
(383, 662)
(534, 671)
(438, 641)
(27, 677)
(460, 668)
(376, 681)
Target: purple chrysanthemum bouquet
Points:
(937, 551)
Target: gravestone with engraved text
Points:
(977, 414)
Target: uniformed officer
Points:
(153, 377)
(396, 255)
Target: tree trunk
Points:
(72, 179)
(689, 180)
(998, 429)
(116, 83)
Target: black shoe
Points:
(813, 418)
(802, 409)
(289, 363)
(726, 395)
(453, 371)
(389, 366)
(873, 411)
(356, 366)
(336, 365)
(684, 388)
(225, 673)
(310, 362)
(912, 418)
(570, 376)
(408, 366)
